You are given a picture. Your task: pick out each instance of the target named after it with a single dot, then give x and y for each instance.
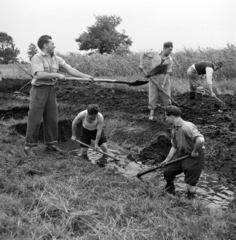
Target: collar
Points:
(164, 56)
(44, 54)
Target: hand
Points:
(96, 146)
(60, 76)
(194, 154)
(90, 77)
(73, 138)
(162, 86)
(213, 94)
(164, 162)
(141, 68)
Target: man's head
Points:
(167, 48)
(172, 113)
(93, 110)
(46, 44)
(218, 64)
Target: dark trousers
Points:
(43, 105)
(191, 167)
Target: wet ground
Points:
(210, 191)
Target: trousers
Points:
(154, 92)
(43, 105)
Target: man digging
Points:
(45, 66)
(186, 140)
(163, 79)
(194, 74)
(92, 129)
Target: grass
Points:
(53, 196)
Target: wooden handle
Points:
(88, 146)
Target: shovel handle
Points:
(88, 79)
(153, 169)
(88, 146)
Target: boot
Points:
(191, 195)
(192, 96)
(170, 187)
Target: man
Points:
(92, 128)
(199, 69)
(43, 104)
(186, 140)
(163, 79)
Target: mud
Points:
(149, 142)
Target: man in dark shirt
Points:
(186, 140)
(199, 69)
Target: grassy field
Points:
(53, 196)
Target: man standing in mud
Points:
(92, 128)
(45, 66)
(162, 79)
(195, 72)
(186, 140)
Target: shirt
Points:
(157, 60)
(43, 63)
(183, 136)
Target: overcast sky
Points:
(149, 23)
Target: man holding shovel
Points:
(186, 140)
(163, 79)
(92, 129)
(195, 72)
(45, 66)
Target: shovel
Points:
(153, 169)
(160, 89)
(134, 83)
(106, 154)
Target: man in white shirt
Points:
(162, 79)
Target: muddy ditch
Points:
(126, 122)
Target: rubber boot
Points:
(192, 95)
(170, 187)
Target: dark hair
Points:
(43, 40)
(173, 111)
(167, 44)
(219, 64)
(93, 109)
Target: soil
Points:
(126, 117)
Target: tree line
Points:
(102, 37)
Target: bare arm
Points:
(46, 75)
(74, 72)
(171, 154)
(99, 130)
(75, 122)
(199, 142)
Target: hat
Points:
(168, 44)
(173, 111)
(219, 64)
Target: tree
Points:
(8, 51)
(32, 50)
(103, 37)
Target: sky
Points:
(149, 23)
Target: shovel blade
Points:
(138, 83)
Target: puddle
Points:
(209, 191)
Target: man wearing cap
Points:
(199, 69)
(43, 104)
(161, 78)
(186, 140)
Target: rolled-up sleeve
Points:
(170, 66)
(36, 65)
(192, 132)
(62, 64)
